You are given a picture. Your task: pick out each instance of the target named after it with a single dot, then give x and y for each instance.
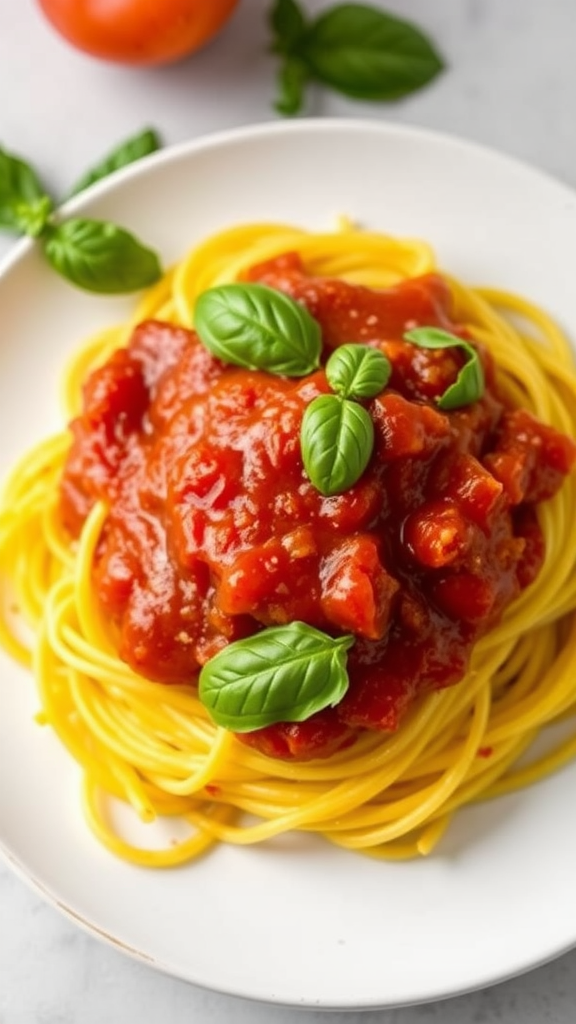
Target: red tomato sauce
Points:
(215, 530)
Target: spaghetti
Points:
(155, 748)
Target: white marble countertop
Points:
(511, 84)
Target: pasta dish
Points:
(303, 556)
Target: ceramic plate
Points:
(297, 922)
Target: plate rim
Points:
(177, 151)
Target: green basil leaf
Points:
(367, 54)
(337, 438)
(292, 79)
(358, 371)
(288, 24)
(20, 194)
(469, 384)
(283, 674)
(100, 257)
(259, 328)
(127, 152)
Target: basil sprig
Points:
(469, 384)
(283, 674)
(94, 255)
(259, 328)
(356, 49)
(337, 434)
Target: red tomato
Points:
(138, 31)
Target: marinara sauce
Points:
(215, 530)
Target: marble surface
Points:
(511, 83)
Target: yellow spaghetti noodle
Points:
(155, 748)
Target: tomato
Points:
(138, 31)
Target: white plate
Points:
(297, 922)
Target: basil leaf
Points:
(367, 54)
(100, 257)
(358, 371)
(337, 438)
(127, 152)
(21, 195)
(469, 384)
(283, 674)
(292, 79)
(288, 24)
(259, 328)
